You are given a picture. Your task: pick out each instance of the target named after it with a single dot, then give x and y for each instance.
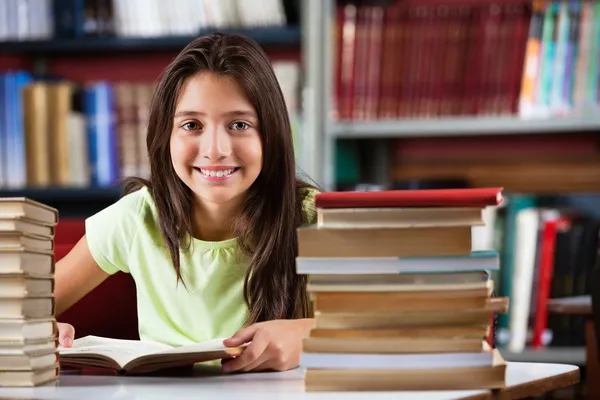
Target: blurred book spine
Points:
(47, 19)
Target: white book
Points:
(527, 224)
(396, 361)
(476, 261)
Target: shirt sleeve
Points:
(110, 232)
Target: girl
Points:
(210, 239)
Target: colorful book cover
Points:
(532, 59)
(591, 96)
(572, 53)
(583, 59)
(560, 62)
(549, 39)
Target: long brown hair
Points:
(271, 212)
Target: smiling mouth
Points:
(216, 174)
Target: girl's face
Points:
(215, 142)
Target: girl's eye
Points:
(239, 126)
(191, 126)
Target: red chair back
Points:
(110, 310)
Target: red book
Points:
(477, 197)
(545, 279)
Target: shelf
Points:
(265, 36)
(461, 126)
(561, 355)
(65, 195)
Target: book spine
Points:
(532, 60)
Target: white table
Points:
(524, 379)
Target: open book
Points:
(136, 357)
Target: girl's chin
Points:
(217, 195)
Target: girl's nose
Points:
(216, 144)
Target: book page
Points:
(121, 351)
(209, 345)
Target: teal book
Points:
(549, 39)
(514, 205)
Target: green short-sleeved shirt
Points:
(126, 237)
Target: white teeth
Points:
(217, 174)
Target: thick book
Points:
(478, 197)
(384, 242)
(492, 375)
(472, 261)
(126, 357)
(22, 207)
(399, 217)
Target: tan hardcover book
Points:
(26, 307)
(23, 285)
(26, 330)
(28, 362)
(396, 320)
(393, 345)
(398, 217)
(442, 332)
(18, 347)
(127, 128)
(382, 302)
(383, 242)
(25, 241)
(37, 142)
(28, 209)
(59, 110)
(356, 379)
(30, 378)
(34, 263)
(26, 226)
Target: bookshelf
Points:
(288, 36)
(116, 60)
(323, 130)
(325, 133)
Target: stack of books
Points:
(400, 299)
(28, 334)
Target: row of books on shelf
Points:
(54, 132)
(546, 252)
(412, 59)
(45, 19)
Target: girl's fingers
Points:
(66, 334)
(249, 355)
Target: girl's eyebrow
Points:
(236, 113)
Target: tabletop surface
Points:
(263, 386)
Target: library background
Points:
(389, 94)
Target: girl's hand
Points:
(276, 345)
(66, 334)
